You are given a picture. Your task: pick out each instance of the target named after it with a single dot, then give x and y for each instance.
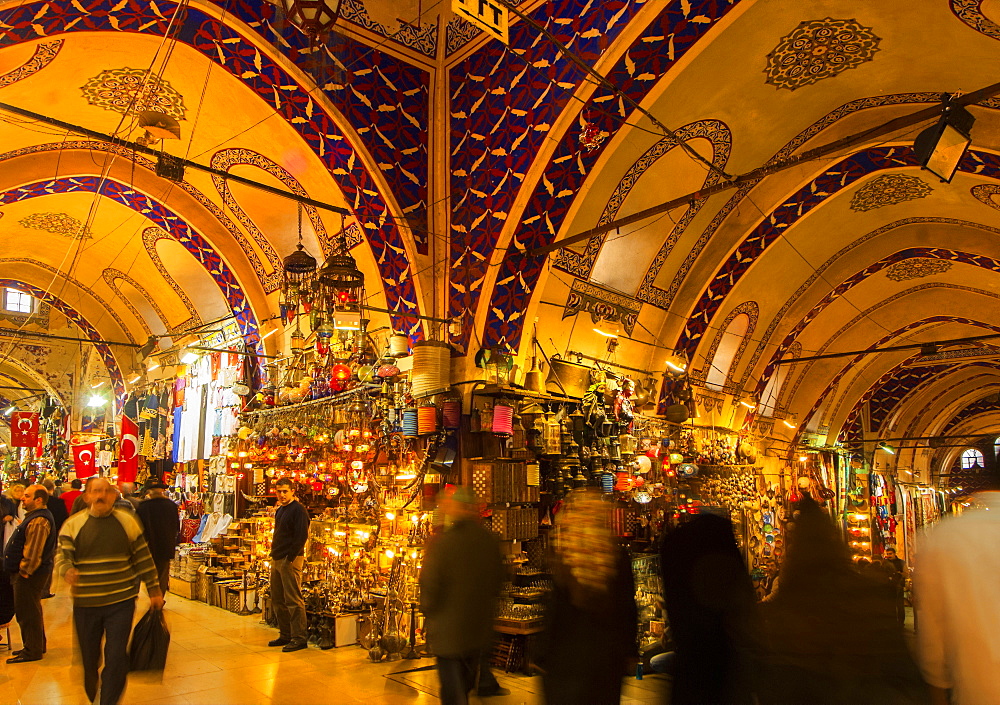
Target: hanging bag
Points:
(150, 642)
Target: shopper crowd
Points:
(831, 632)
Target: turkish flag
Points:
(24, 429)
(84, 460)
(128, 451)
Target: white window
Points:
(18, 301)
(996, 448)
(972, 459)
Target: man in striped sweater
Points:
(101, 552)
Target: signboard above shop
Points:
(491, 16)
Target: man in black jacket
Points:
(162, 524)
(28, 559)
(459, 585)
(291, 529)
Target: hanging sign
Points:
(128, 450)
(24, 429)
(489, 15)
(84, 460)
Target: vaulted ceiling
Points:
(457, 155)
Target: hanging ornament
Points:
(591, 136)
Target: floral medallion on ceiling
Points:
(888, 190)
(819, 49)
(917, 268)
(58, 223)
(131, 91)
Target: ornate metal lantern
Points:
(314, 17)
(298, 274)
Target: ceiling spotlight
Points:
(790, 422)
(751, 405)
(190, 358)
(939, 149)
(134, 379)
(887, 449)
(9, 410)
(96, 400)
(98, 385)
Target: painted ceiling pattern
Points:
(819, 49)
(60, 223)
(526, 145)
(917, 268)
(132, 91)
(889, 190)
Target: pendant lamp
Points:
(314, 17)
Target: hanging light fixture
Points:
(314, 17)
(341, 283)
(299, 271)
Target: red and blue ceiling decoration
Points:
(222, 44)
(504, 103)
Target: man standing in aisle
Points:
(459, 585)
(68, 498)
(957, 592)
(101, 552)
(28, 561)
(291, 529)
(162, 524)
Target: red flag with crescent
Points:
(128, 451)
(24, 429)
(84, 460)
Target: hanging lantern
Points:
(314, 17)
(297, 342)
(323, 335)
(341, 280)
(340, 375)
(298, 273)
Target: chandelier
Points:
(298, 275)
(314, 17)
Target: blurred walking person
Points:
(162, 524)
(459, 584)
(28, 561)
(591, 619)
(831, 633)
(101, 553)
(957, 593)
(712, 609)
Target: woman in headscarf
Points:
(591, 619)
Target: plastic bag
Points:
(150, 642)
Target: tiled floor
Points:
(219, 658)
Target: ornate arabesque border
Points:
(111, 275)
(751, 310)
(150, 236)
(580, 264)
(44, 54)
